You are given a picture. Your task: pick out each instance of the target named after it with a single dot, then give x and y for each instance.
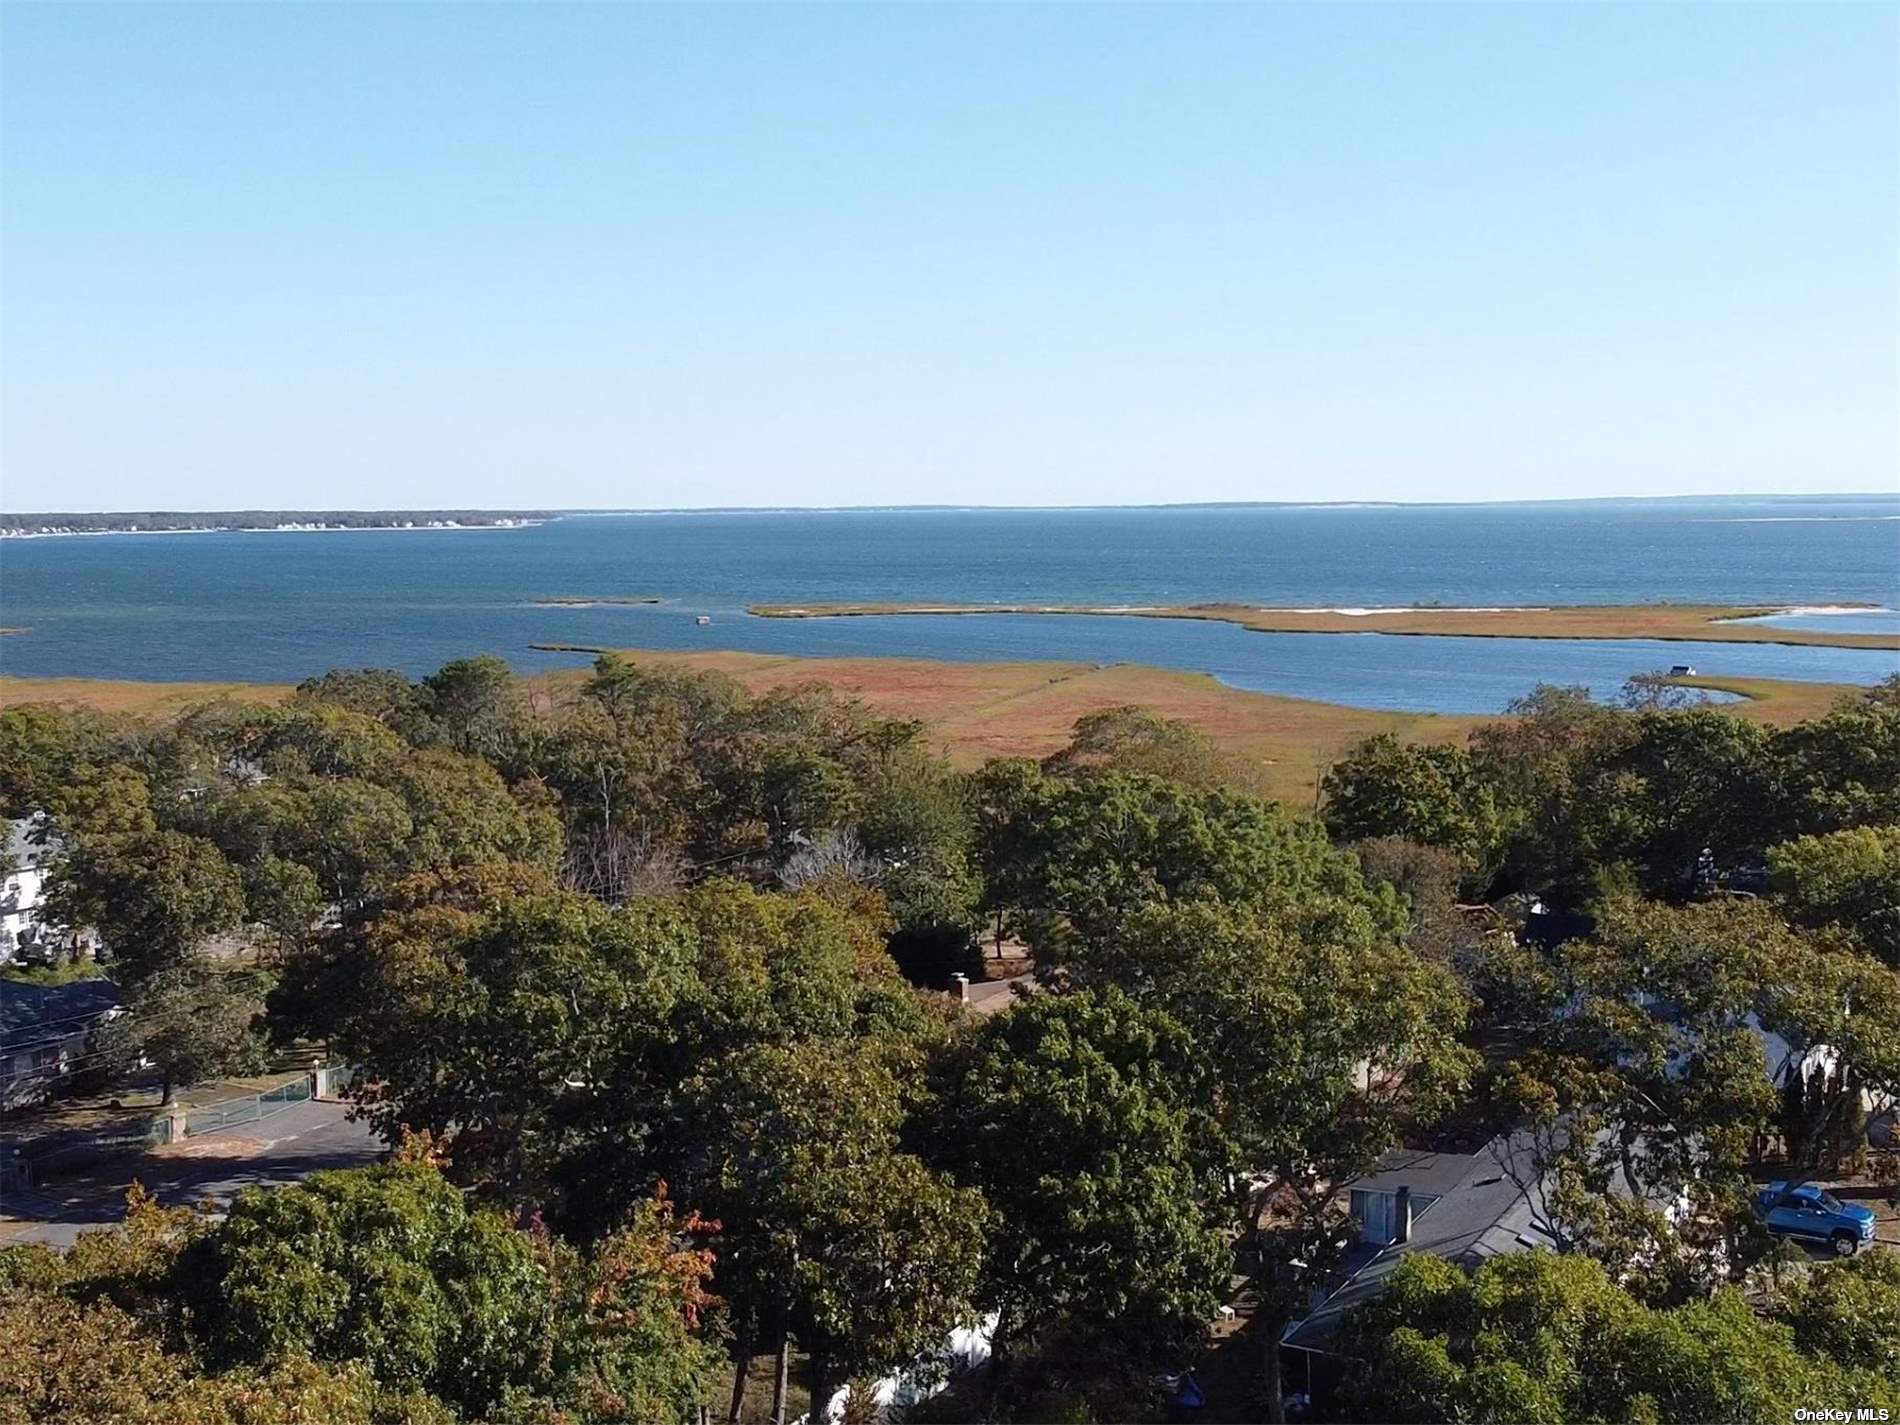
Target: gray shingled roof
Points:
(30, 1014)
(1434, 1174)
(1487, 1206)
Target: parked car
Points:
(1808, 1212)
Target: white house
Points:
(24, 863)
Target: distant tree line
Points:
(101, 522)
(643, 976)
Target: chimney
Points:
(1402, 1215)
(961, 984)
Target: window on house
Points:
(1373, 1211)
(1377, 1214)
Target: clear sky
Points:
(624, 256)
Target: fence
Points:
(336, 1080)
(32, 1163)
(24, 1164)
(250, 1109)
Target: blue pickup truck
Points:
(1816, 1216)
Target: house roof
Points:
(30, 1014)
(1488, 1205)
(1432, 1173)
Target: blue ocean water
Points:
(282, 606)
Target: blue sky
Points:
(536, 255)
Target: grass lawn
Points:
(50, 975)
(136, 1100)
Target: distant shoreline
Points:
(291, 528)
(1670, 623)
(11, 522)
(1824, 498)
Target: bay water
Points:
(281, 606)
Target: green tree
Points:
(1846, 878)
(364, 1297)
(394, 1269)
(477, 704)
(349, 832)
(633, 1335)
(542, 1038)
(154, 897)
(319, 740)
(915, 829)
(191, 1022)
(1647, 1065)
(828, 1229)
(1427, 793)
(512, 1029)
(1549, 767)
(388, 1266)
(1319, 1035)
(1650, 1070)
(913, 820)
(65, 1360)
(1077, 857)
(1849, 1312)
(656, 761)
(380, 693)
(1075, 1115)
(1002, 796)
(462, 813)
(285, 898)
(1540, 1337)
(1428, 877)
(45, 751)
(1694, 788)
(1133, 739)
(1840, 770)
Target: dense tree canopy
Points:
(1134, 740)
(1076, 1115)
(1073, 858)
(154, 897)
(1539, 1337)
(615, 939)
(1428, 794)
(378, 1294)
(830, 1229)
(1849, 879)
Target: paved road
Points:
(283, 1148)
(987, 997)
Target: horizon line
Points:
(952, 507)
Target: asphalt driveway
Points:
(283, 1148)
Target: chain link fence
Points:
(23, 1164)
(250, 1109)
(338, 1079)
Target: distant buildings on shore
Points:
(42, 526)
